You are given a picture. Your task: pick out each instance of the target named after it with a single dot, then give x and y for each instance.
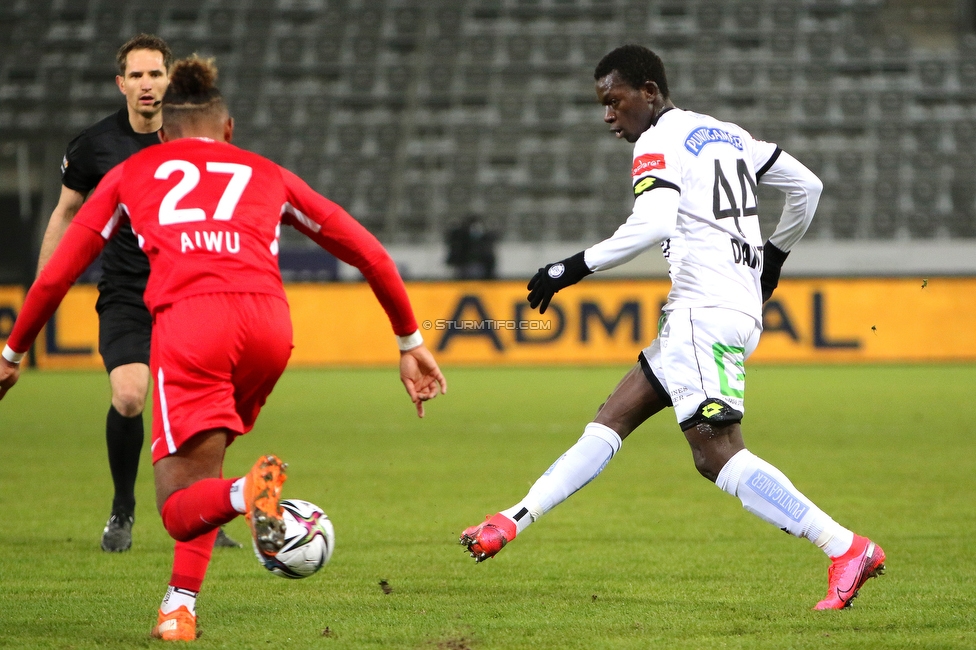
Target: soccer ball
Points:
(309, 540)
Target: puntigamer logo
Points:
(704, 135)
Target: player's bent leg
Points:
(766, 492)
(124, 436)
(632, 401)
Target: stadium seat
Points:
(850, 164)
(923, 222)
(493, 77)
(785, 14)
(570, 226)
(886, 199)
(518, 49)
(709, 16)
(845, 221)
(853, 105)
(783, 45)
(556, 47)
(933, 74)
(705, 75)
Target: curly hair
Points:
(143, 42)
(636, 65)
(192, 94)
(192, 81)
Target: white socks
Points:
(764, 490)
(574, 469)
(175, 597)
(237, 496)
(767, 493)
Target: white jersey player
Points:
(695, 181)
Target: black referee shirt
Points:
(88, 158)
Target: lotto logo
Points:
(646, 162)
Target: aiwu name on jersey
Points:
(214, 241)
(746, 254)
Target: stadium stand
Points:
(417, 113)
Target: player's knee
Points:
(705, 467)
(129, 401)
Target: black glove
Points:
(773, 259)
(553, 277)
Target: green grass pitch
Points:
(649, 555)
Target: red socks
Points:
(191, 517)
(190, 560)
(198, 509)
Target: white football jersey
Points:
(715, 253)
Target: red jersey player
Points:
(208, 216)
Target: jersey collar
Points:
(658, 116)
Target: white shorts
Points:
(700, 355)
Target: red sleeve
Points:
(78, 248)
(103, 212)
(332, 228)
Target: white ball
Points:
(309, 540)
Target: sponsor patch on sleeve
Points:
(647, 162)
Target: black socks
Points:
(124, 439)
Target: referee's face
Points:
(627, 110)
(145, 81)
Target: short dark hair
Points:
(144, 42)
(636, 65)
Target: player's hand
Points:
(773, 259)
(9, 374)
(553, 277)
(421, 376)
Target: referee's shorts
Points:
(124, 326)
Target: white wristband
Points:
(11, 356)
(410, 342)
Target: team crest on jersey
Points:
(646, 162)
(706, 135)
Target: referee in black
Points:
(124, 323)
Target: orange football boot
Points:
(262, 491)
(178, 625)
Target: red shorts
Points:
(215, 359)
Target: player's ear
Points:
(651, 91)
(119, 81)
(163, 137)
(229, 129)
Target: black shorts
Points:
(124, 325)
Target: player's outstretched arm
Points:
(421, 376)
(68, 205)
(9, 374)
(652, 221)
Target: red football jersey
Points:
(208, 216)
